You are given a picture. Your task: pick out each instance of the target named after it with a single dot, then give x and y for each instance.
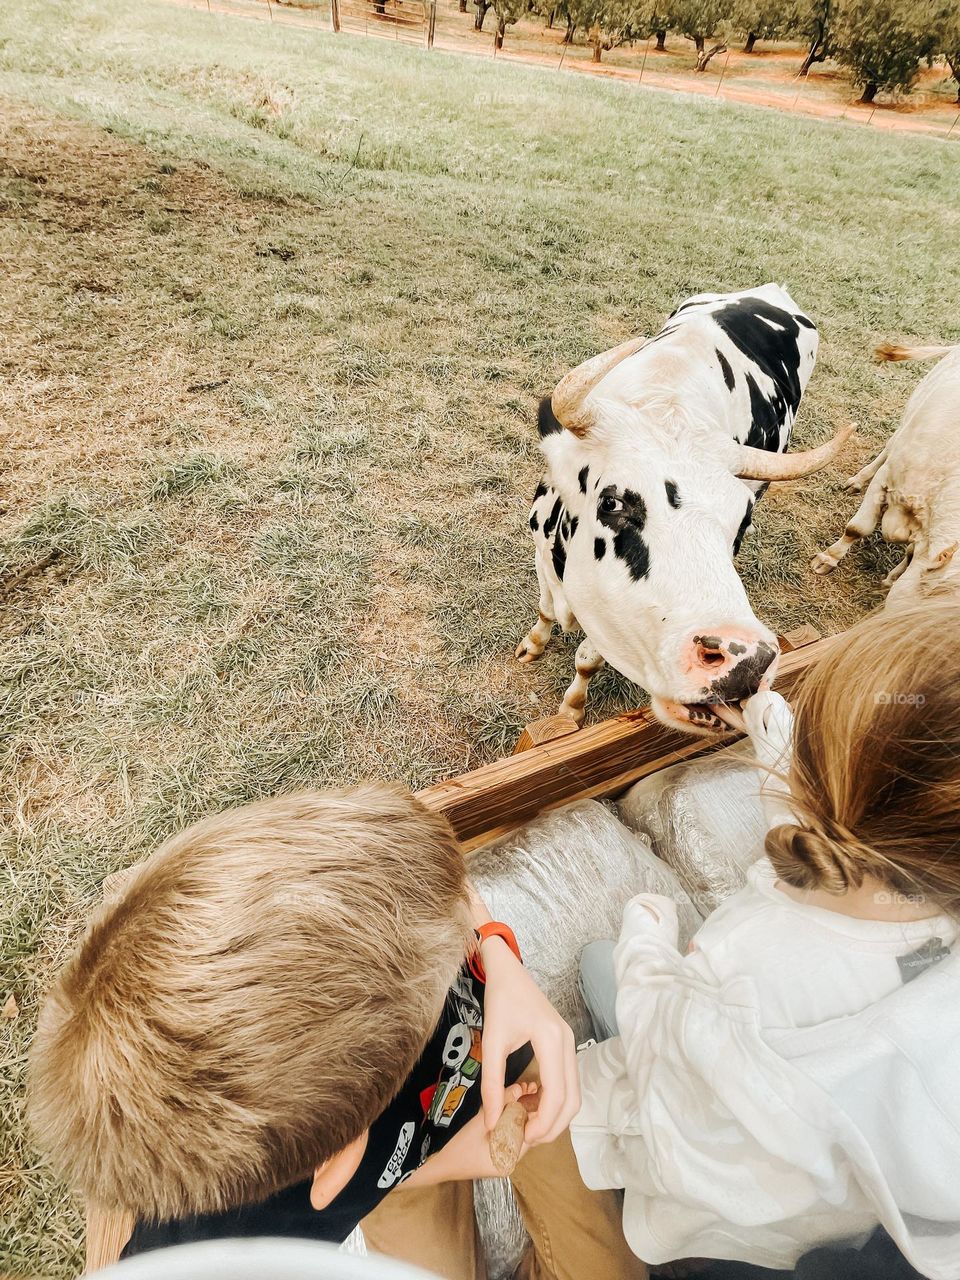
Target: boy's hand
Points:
(516, 1011)
(467, 1155)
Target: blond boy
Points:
(279, 1022)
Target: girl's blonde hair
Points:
(875, 777)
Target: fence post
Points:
(431, 22)
(335, 14)
(723, 71)
(646, 50)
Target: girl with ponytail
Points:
(791, 1081)
(874, 782)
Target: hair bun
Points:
(809, 857)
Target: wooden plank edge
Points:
(598, 761)
(108, 1231)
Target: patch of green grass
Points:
(89, 538)
(283, 307)
(178, 479)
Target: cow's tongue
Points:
(699, 715)
(703, 713)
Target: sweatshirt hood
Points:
(892, 1073)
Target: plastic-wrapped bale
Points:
(560, 882)
(355, 1243)
(704, 818)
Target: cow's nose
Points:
(733, 666)
(710, 651)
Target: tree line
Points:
(882, 43)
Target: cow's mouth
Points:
(692, 717)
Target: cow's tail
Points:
(891, 351)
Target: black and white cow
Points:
(656, 453)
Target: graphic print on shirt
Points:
(461, 1055)
(395, 1164)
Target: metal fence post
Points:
(646, 50)
(335, 14)
(723, 71)
(431, 22)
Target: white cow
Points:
(913, 486)
(656, 453)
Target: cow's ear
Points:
(564, 455)
(942, 558)
(547, 424)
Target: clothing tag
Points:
(925, 956)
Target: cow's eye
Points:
(609, 505)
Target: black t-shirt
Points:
(439, 1097)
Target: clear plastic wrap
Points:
(705, 819)
(560, 882)
(355, 1243)
(563, 880)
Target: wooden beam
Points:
(799, 637)
(108, 1231)
(545, 730)
(601, 760)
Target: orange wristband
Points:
(492, 929)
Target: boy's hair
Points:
(252, 1002)
(875, 777)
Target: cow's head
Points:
(657, 502)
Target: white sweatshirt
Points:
(794, 1080)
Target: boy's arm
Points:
(516, 1012)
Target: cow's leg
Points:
(589, 663)
(860, 526)
(857, 483)
(535, 641)
(898, 569)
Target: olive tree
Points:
(883, 42)
(651, 18)
(482, 7)
(554, 11)
(765, 20)
(815, 23)
(950, 47)
(702, 21)
(507, 12)
(608, 23)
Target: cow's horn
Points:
(759, 464)
(569, 398)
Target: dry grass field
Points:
(277, 308)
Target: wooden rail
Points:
(601, 760)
